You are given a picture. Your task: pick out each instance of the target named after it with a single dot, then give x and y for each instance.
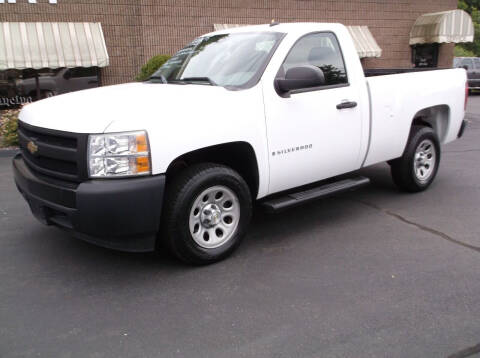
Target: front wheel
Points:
(207, 211)
(418, 166)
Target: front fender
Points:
(214, 117)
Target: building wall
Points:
(120, 23)
(445, 55)
(135, 30)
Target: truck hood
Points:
(178, 118)
(93, 110)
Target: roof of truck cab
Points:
(287, 27)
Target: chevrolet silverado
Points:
(267, 113)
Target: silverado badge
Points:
(32, 147)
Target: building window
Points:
(425, 55)
(18, 87)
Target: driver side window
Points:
(320, 50)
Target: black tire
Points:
(403, 169)
(182, 193)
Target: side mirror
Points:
(465, 67)
(301, 77)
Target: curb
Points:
(6, 153)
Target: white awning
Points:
(446, 26)
(51, 45)
(364, 41)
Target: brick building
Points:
(135, 30)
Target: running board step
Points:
(315, 193)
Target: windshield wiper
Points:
(184, 80)
(159, 77)
(199, 79)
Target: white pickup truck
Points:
(268, 113)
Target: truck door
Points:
(314, 133)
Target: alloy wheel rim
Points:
(424, 160)
(214, 216)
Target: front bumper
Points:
(122, 214)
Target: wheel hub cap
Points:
(425, 160)
(214, 216)
(211, 215)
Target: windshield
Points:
(230, 60)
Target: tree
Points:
(470, 49)
(151, 66)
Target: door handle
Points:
(346, 104)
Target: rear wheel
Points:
(207, 211)
(418, 166)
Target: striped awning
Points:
(365, 43)
(51, 45)
(218, 27)
(446, 26)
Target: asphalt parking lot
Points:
(371, 273)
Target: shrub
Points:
(151, 66)
(462, 52)
(8, 127)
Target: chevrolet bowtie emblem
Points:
(32, 147)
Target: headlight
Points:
(118, 154)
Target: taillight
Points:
(466, 96)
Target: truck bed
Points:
(396, 99)
(371, 72)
